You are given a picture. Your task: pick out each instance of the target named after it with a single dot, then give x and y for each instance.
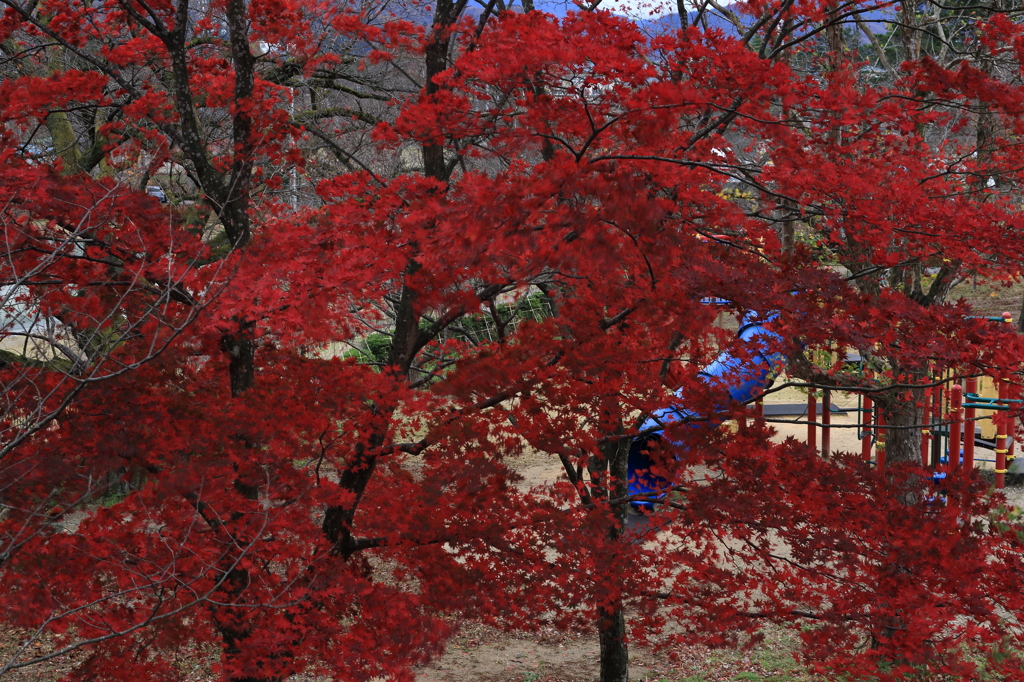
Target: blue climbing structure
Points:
(742, 377)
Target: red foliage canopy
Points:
(296, 508)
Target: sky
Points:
(644, 9)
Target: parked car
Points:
(158, 192)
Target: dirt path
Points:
(485, 655)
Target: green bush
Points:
(472, 328)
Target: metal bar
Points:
(1011, 428)
(970, 414)
(879, 439)
(975, 398)
(812, 413)
(956, 394)
(1000, 420)
(826, 421)
(865, 439)
(926, 433)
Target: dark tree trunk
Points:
(903, 433)
(611, 626)
(1020, 317)
(614, 647)
(241, 350)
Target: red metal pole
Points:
(865, 440)
(812, 416)
(1011, 426)
(826, 422)
(1000, 419)
(879, 439)
(956, 394)
(970, 414)
(926, 432)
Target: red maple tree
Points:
(295, 508)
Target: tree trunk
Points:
(614, 648)
(241, 350)
(902, 445)
(613, 482)
(1020, 317)
(62, 134)
(834, 38)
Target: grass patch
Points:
(770, 659)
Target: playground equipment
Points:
(951, 412)
(742, 379)
(964, 414)
(953, 433)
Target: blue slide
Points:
(742, 378)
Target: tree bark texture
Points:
(614, 648)
(611, 624)
(902, 433)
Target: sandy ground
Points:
(482, 655)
